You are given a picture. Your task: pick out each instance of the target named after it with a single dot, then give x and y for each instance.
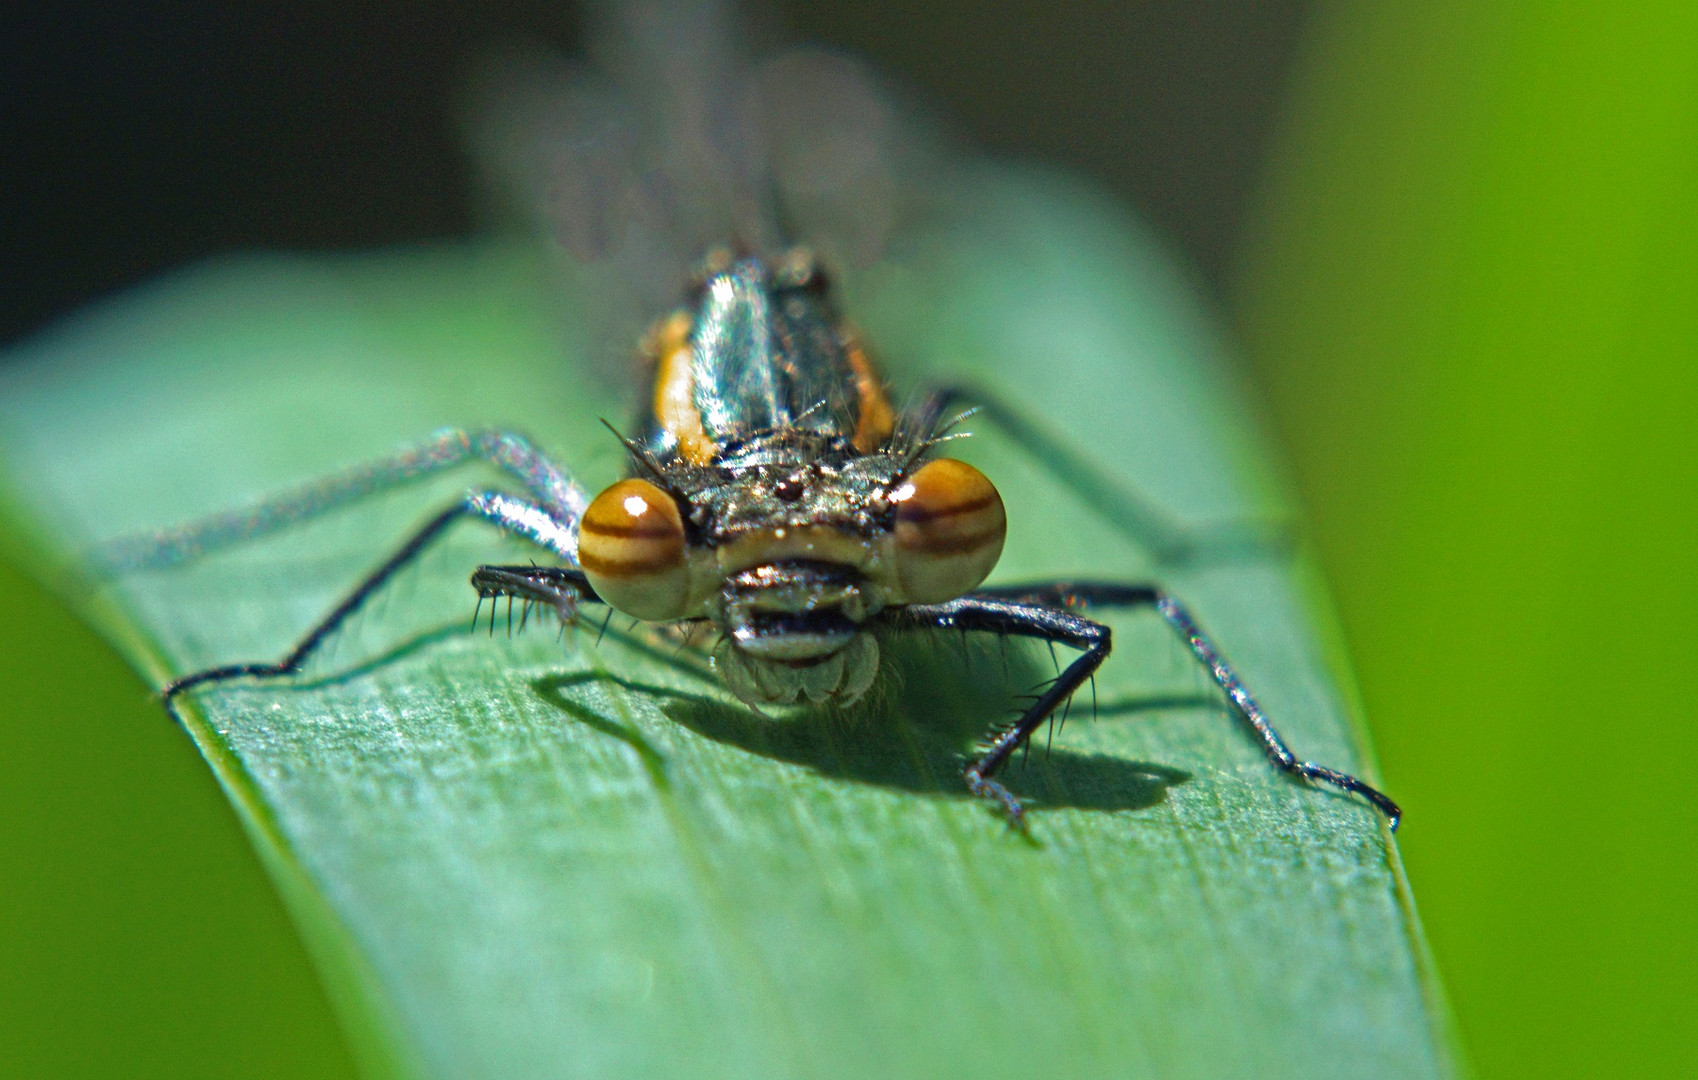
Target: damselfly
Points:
(775, 496)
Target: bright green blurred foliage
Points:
(138, 935)
(1473, 296)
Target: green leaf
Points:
(531, 855)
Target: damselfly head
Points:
(794, 619)
(792, 560)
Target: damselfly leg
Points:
(560, 588)
(1043, 611)
(547, 519)
(557, 499)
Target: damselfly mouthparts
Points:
(776, 497)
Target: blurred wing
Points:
(665, 144)
(849, 167)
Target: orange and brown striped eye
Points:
(949, 530)
(631, 547)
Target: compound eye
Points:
(949, 530)
(631, 547)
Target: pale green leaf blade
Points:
(536, 857)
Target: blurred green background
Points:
(1471, 292)
(1456, 239)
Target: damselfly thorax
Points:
(777, 495)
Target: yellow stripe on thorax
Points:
(877, 418)
(674, 389)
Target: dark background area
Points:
(139, 137)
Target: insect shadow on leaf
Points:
(911, 734)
